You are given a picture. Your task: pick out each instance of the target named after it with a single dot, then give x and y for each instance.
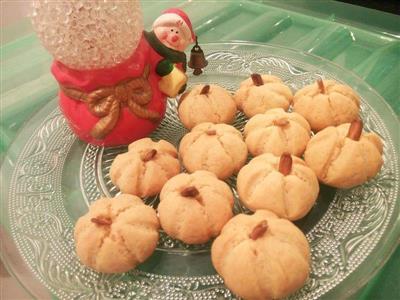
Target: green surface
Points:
(362, 40)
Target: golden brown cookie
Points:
(194, 207)
(277, 132)
(261, 256)
(260, 93)
(218, 148)
(206, 103)
(327, 103)
(144, 169)
(116, 234)
(344, 156)
(284, 185)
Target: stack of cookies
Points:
(277, 184)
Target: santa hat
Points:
(170, 16)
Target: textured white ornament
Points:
(88, 34)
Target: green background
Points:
(364, 41)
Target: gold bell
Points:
(197, 59)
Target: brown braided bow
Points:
(106, 103)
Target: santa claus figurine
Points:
(172, 33)
(113, 77)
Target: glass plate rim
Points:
(392, 232)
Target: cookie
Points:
(194, 207)
(206, 103)
(284, 185)
(261, 256)
(344, 156)
(277, 132)
(218, 148)
(116, 234)
(144, 169)
(260, 93)
(327, 103)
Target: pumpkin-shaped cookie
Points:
(144, 169)
(116, 234)
(206, 103)
(259, 93)
(194, 207)
(344, 156)
(277, 132)
(327, 103)
(283, 185)
(218, 148)
(261, 256)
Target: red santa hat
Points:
(171, 17)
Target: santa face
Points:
(172, 36)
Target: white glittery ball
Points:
(88, 34)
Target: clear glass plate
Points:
(49, 178)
